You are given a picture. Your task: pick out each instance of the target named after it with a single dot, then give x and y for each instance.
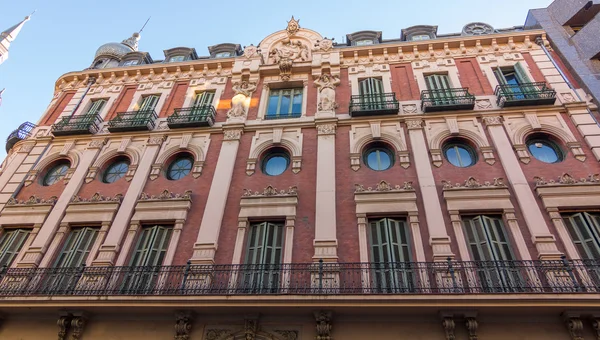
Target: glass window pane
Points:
(297, 103)
(285, 104)
(543, 151)
(179, 168)
(452, 156)
(459, 155)
(273, 102)
(276, 165)
(465, 156)
(378, 159)
(116, 171)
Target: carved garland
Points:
(166, 195)
(32, 200)
(97, 198)
(271, 191)
(566, 179)
(383, 186)
(472, 183)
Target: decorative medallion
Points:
(477, 28)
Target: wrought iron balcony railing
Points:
(451, 277)
(133, 121)
(22, 132)
(203, 115)
(77, 125)
(525, 94)
(447, 99)
(373, 104)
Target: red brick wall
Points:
(533, 68)
(304, 231)
(343, 93)
(122, 103)
(404, 83)
(472, 77)
(311, 100)
(345, 177)
(175, 99)
(36, 188)
(58, 108)
(200, 187)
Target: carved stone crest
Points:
(324, 45)
(232, 134)
(293, 26)
(492, 120)
(250, 51)
(183, 326)
(326, 129)
(323, 320)
(472, 183)
(97, 198)
(567, 179)
(414, 124)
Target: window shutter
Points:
(494, 229)
(584, 235)
(11, 243)
(149, 103)
(370, 86)
(96, 107)
(521, 74)
(437, 82)
(152, 246)
(77, 248)
(265, 244)
(480, 248)
(499, 76)
(390, 241)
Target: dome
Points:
(113, 49)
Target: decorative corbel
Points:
(92, 172)
(522, 153)
(575, 327)
(472, 325)
(130, 172)
(77, 325)
(449, 325)
(251, 166)
(296, 164)
(404, 159)
(63, 323)
(68, 175)
(596, 325)
(436, 157)
(183, 325)
(488, 154)
(577, 151)
(323, 319)
(155, 171)
(30, 177)
(197, 169)
(355, 161)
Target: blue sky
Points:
(62, 35)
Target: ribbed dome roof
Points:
(113, 49)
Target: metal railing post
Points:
(186, 272)
(452, 274)
(570, 271)
(320, 275)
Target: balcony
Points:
(447, 100)
(451, 277)
(77, 125)
(141, 120)
(197, 116)
(525, 94)
(22, 132)
(373, 104)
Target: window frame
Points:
(112, 164)
(176, 58)
(12, 241)
(174, 161)
(294, 92)
(467, 147)
(80, 241)
(378, 148)
(560, 154)
(272, 153)
(59, 164)
(96, 106)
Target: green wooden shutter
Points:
(11, 243)
(521, 74)
(204, 98)
(263, 257)
(372, 95)
(494, 229)
(152, 246)
(584, 232)
(437, 82)
(77, 247)
(149, 102)
(478, 242)
(96, 107)
(499, 76)
(391, 255)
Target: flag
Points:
(1, 96)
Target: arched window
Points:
(275, 162)
(378, 157)
(460, 154)
(56, 173)
(116, 170)
(545, 150)
(180, 167)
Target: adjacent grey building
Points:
(573, 28)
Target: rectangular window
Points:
(391, 256)
(515, 75)
(11, 242)
(130, 62)
(149, 102)
(145, 265)
(96, 107)
(77, 247)
(177, 58)
(204, 98)
(284, 103)
(263, 257)
(584, 229)
(491, 250)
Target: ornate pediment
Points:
(271, 191)
(32, 200)
(472, 183)
(383, 186)
(566, 179)
(97, 198)
(166, 195)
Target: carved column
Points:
(323, 319)
(542, 238)
(183, 325)
(325, 242)
(439, 239)
(38, 248)
(208, 235)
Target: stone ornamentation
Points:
(326, 129)
(575, 328)
(156, 140)
(477, 28)
(166, 195)
(271, 191)
(97, 198)
(324, 45)
(32, 200)
(240, 102)
(96, 144)
(472, 183)
(448, 324)
(217, 334)
(492, 120)
(250, 51)
(323, 325)
(63, 323)
(250, 329)
(383, 186)
(414, 124)
(566, 179)
(26, 148)
(326, 84)
(183, 326)
(293, 26)
(233, 134)
(77, 325)
(472, 325)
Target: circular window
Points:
(460, 155)
(378, 158)
(544, 150)
(116, 171)
(180, 168)
(275, 162)
(56, 173)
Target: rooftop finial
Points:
(293, 26)
(140, 31)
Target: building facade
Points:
(428, 187)
(572, 27)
